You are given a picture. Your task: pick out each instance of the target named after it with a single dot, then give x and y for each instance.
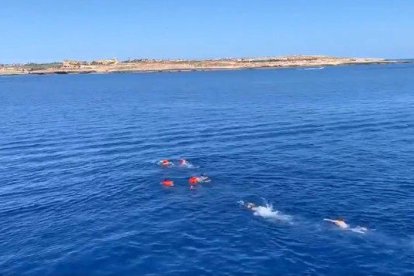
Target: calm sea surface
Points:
(80, 188)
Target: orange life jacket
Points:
(168, 183)
(165, 162)
(193, 180)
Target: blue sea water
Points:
(80, 188)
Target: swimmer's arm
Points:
(330, 220)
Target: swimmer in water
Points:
(345, 226)
(338, 222)
(166, 163)
(194, 180)
(167, 183)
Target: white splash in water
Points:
(359, 229)
(186, 164)
(314, 68)
(268, 212)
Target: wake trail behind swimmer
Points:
(185, 164)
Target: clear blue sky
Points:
(49, 30)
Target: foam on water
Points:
(359, 229)
(188, 165)
(268, 212)
(313, 68)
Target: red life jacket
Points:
(193, 180)
(165, 162)
(168, 183)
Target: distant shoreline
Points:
(151, 65)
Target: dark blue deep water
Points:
(80, 189)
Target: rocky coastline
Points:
(153, 65)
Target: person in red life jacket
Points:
(167, 183)
(166, 163)
(194, 180)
